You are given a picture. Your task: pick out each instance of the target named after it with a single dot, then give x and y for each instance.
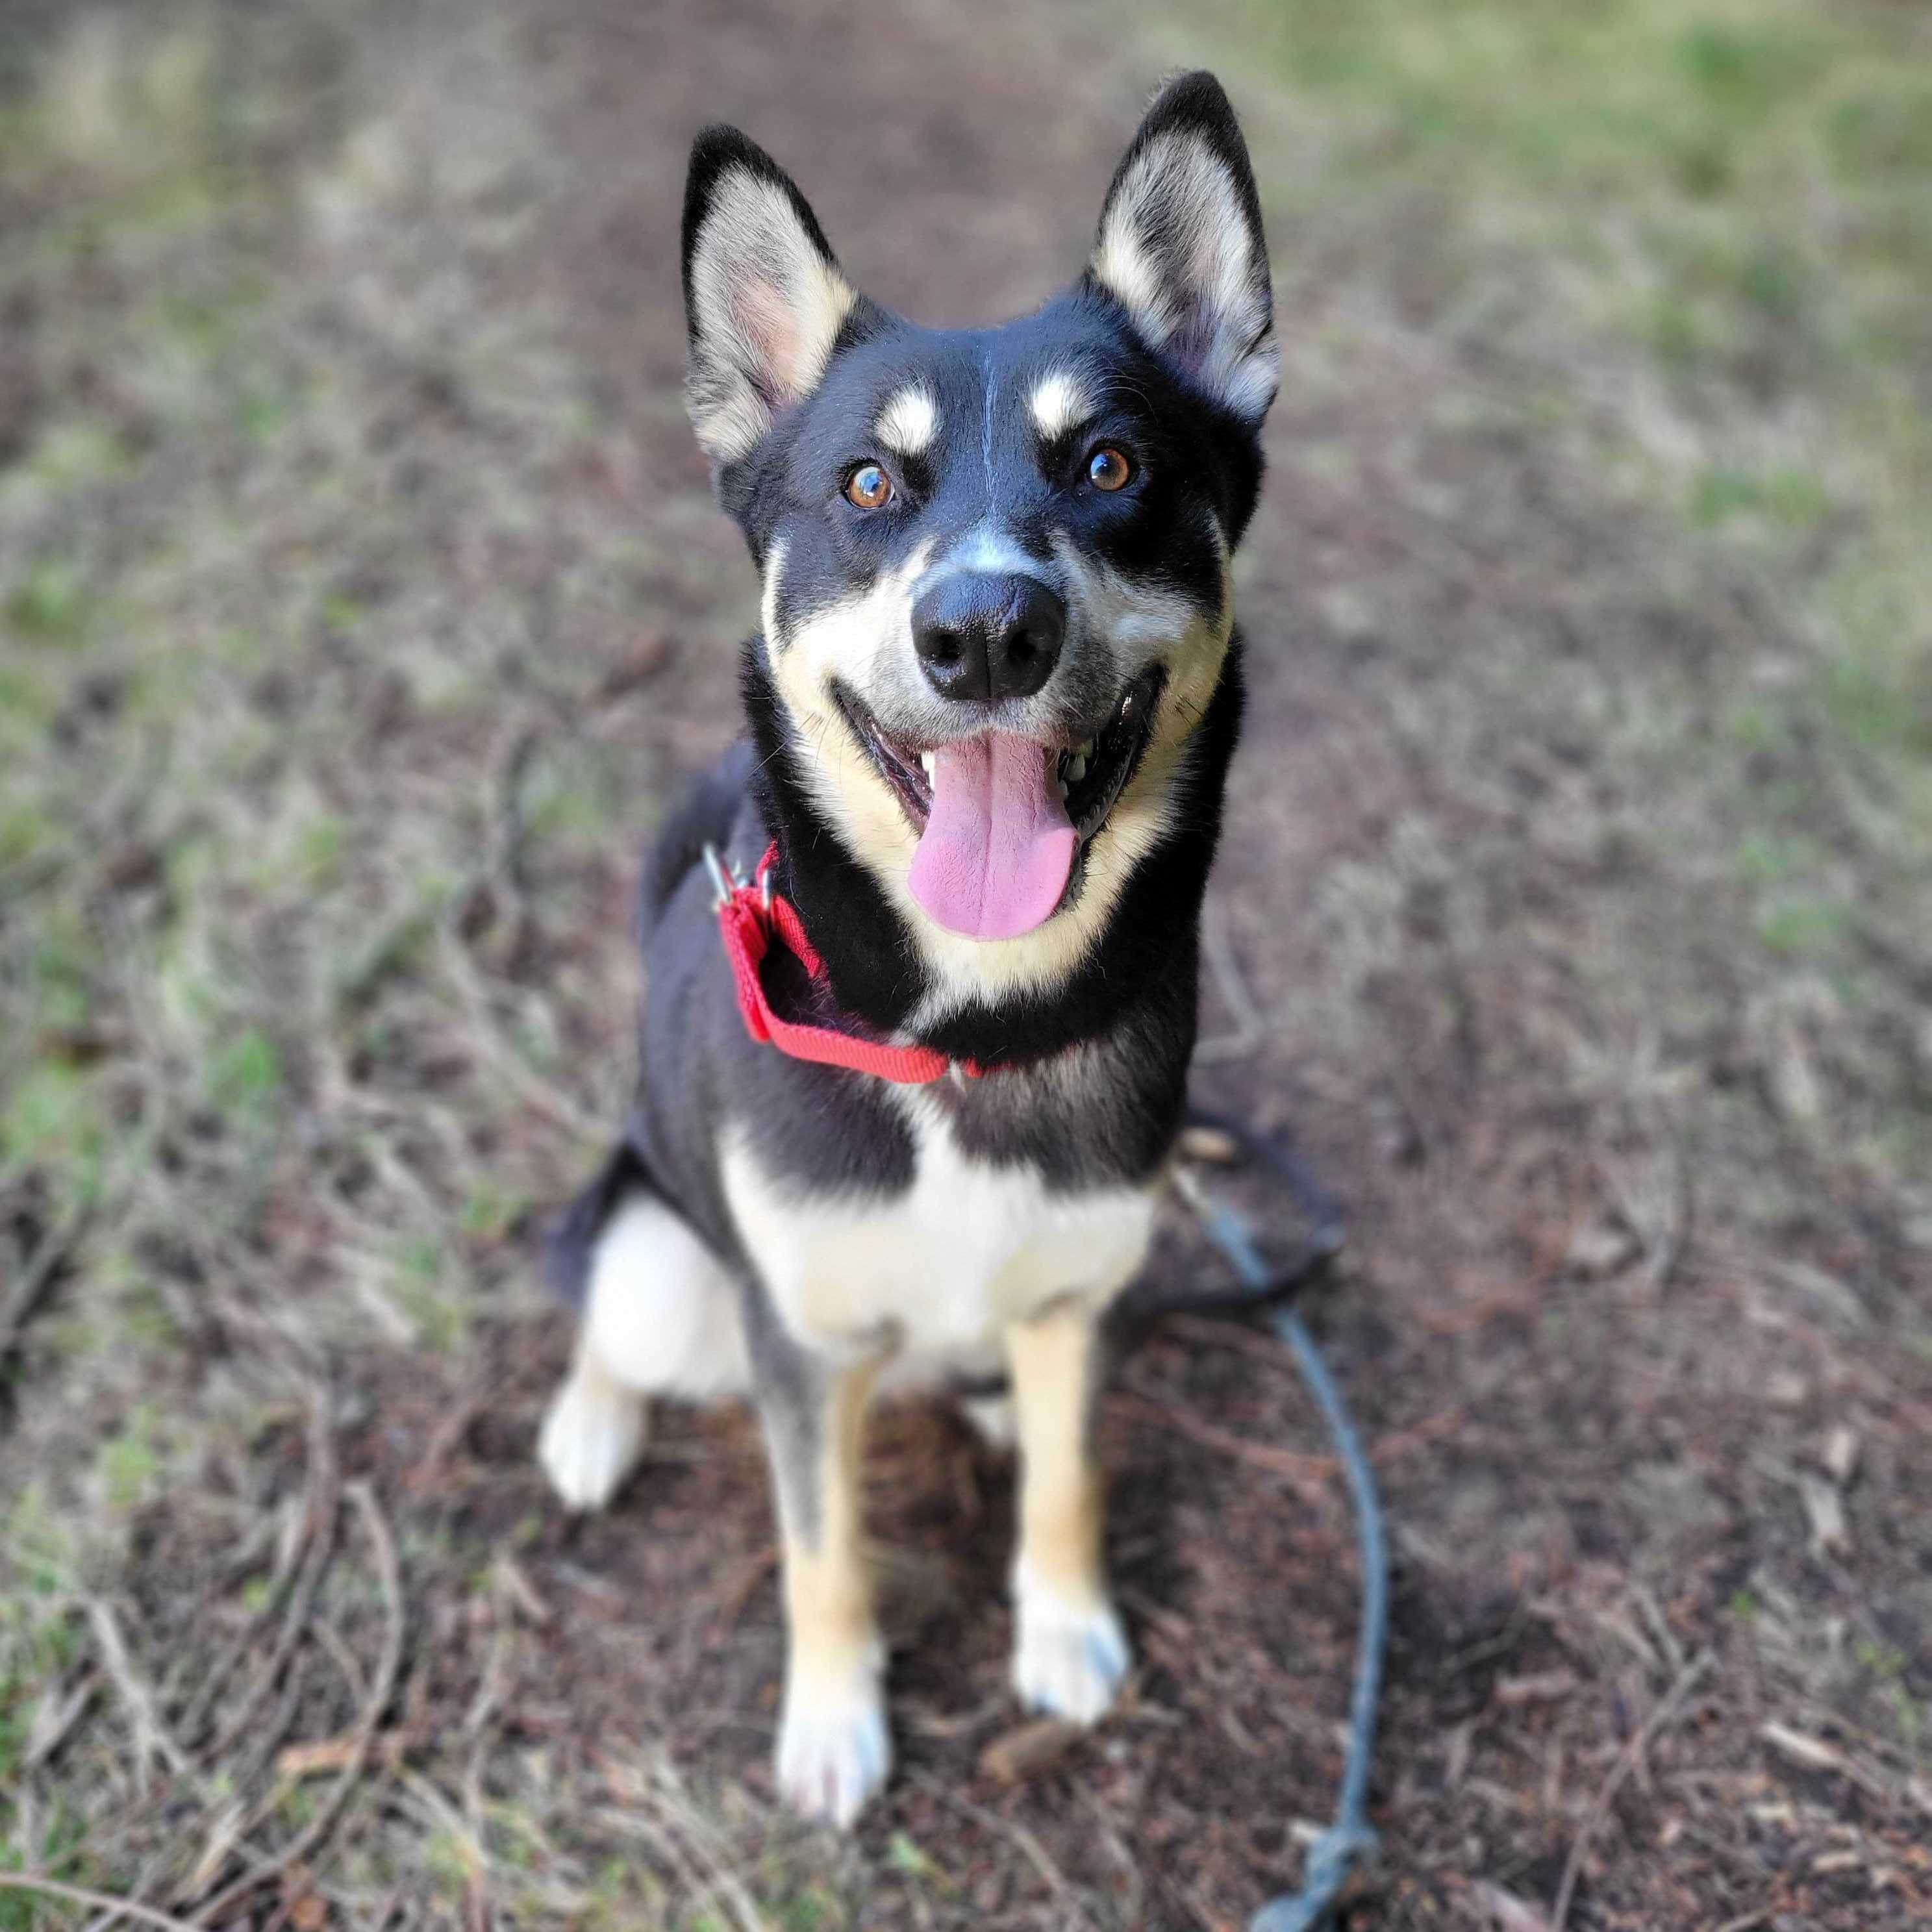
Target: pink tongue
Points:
(997, 846)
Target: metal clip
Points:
(725, 881)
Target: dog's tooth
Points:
(926, 759)
(1077, 770)
(1059, 786)
(1083, 751)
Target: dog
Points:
(921, 950)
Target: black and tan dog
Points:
(991, 707)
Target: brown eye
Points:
(1108, 468)
(869, 486)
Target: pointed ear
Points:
(763, 299)
(1180, 247)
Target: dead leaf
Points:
(639, 664)
(1815, 1754)
(314, 1759)
(1543, 1686)
(1212, 1146)
(1825, 1863)
(1021, 1754)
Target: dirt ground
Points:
(362, 602)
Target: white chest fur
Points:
(940, 1270)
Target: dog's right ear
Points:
(763, 298)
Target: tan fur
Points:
(828, 1588)
(1052, 1360)
(851, 636)
(1058, 403)
(909, 420)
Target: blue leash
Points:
(1349, 1838)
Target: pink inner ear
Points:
(762, 316)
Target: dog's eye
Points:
(869, 486)
(1108, 468)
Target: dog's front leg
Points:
(1069, 1653)
(833, 1748)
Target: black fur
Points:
(1093, 1072)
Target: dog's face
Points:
(995, 562)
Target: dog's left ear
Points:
(1180, 247)
(764, 297)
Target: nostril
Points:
(981, 637)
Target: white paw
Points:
(591, 1440)
(1070, 1657)
(834, 1749)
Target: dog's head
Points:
(995, 562)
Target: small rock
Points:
(1602, 1246)
(1840, 1454)
(1828, 1534)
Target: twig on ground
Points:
(447, 1436)
(319, 1526)
(1666, 1708)
(1309, 1473)
(659, 1811)
(509, 766)
(55, 1719)
(543, 1094)
(94, 1901)
(152, 1737)
(1034, 1851)
(223, 1668)
(389, 1571)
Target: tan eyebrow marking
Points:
(909, 421)
(1059, 402)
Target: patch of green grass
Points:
(441, 1316)
(129, 1465)
(51, 604)
(247, 1075)
(51, 1116)
(24, 830)
(1770, 859)
(1790, 498)
(815, 1910)
(907, 1858)
(73, 453)
(1799, 927)
(1725, 207)
(489, 1211)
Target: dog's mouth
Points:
(1003, 821)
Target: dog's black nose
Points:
(988, 636)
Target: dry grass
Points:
(359, 603)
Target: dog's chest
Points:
(940, 1269)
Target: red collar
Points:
(751, 917)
